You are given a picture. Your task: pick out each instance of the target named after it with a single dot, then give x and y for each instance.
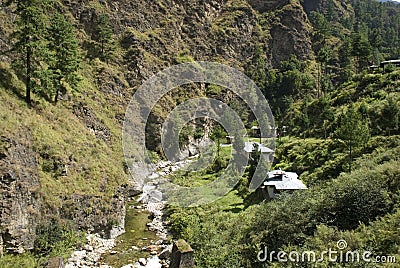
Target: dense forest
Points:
(341, 118)
(67, 73)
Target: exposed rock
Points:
(111, 84)
(56, 262)
(166, 253)
(182, 255)
(95, 125)
(291, 35)
(19, 193)
(106, 220)
(154, 34)
(85, 258)
(343, 8)
(142, 261)
(153, 248)
(267, 5)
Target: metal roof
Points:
(249, 147)
(283, 180)
(390, 61)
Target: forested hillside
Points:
(69, 68)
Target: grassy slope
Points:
(59, 136)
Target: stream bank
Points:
(145, 242)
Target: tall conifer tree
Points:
(64, 61)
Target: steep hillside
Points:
(63, 162)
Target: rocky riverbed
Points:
(145, 243)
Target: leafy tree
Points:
(361, 50)
(376, 38)
(323, 57)
(321, 24)
(29, 36)
(257, 70)
(104, 35)
(390, 114)
(218, 134)
(353, 130)
(64, 54)
(345, 54)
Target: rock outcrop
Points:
(90, 213)
(341, 9)
(182, 255)
(291, 35)
(22, 209)
(19, 193)
(95, 125)
(267, 5)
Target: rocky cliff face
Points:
(291, 35)
(19, 193)
(342, 9)
(159, 33)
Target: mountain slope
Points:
(70, 154)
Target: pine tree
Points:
(218, 134)
(353, 130)
(29, 37)
(390, 114)
(361, 50)
(65, 59)
(104, 35)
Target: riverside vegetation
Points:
(69, 68)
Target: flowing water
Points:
(128, 248)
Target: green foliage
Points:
(104, 36)
(353, 130)
(29, 42)
(225, 234)
(290, 81)
(48, 49)
(64, 61)
(218, 134)
(215, 235)
(53, 239)
(321, 24)
(350, 207)
(361, 50)
(25, 260)
(390, 113)
(184, 56)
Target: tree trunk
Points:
(57, 91)
(319, 89)
(102, 50)
(351, 158)
(218, 148)
(28, 73)
(56, 96)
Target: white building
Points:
(265, 151)
(279, 181)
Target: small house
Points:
(264, 150)
(279, 181)
(395, 63)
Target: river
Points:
(145, 242)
